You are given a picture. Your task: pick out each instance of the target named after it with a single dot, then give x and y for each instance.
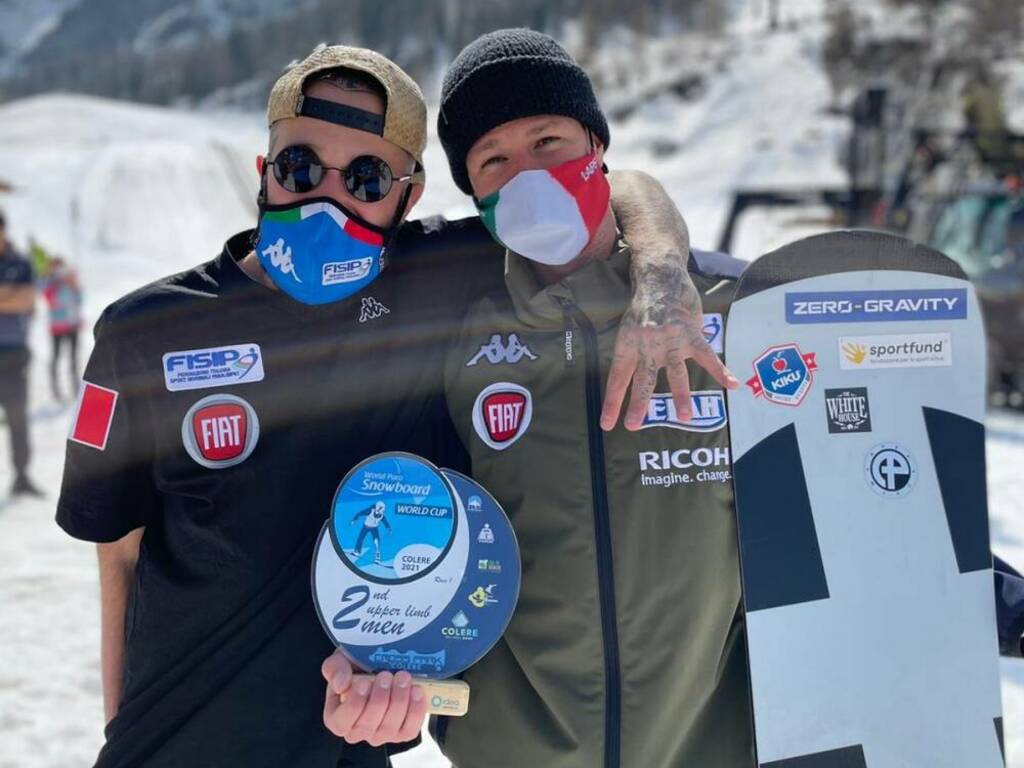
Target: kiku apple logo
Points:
(783, 374)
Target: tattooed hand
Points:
(664, 326)
(664, 333)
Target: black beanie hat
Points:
(505, 75)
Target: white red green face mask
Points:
(549, 215)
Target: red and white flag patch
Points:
(95, 415)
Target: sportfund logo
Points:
(220, 431)
(920, 350)
(502, 414)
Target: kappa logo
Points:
(338, 272)
(502, 414)
(783, 374)
(708, 412)
(213, 367)
(220, 431)
(280, 256)
(587, 172)
(713, 331)
(371, 309)
(495, 351)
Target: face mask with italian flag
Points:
(549, 215)
(317, 251)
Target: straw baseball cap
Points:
(404, 122)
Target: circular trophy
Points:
(417, 568)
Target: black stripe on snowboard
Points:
(778, 541)
(999, 735)
(958, 449)
(845, 757)
(851, 250)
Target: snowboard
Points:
(859, 471)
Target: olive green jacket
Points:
(626, 647)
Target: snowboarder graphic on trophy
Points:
(372, 519)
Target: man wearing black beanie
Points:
(505, 75)
(513, 73)
(626, 648)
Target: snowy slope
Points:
(159, 190)
(761, 123)
(125, 189)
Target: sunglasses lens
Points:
(298, 169)
(368, 178)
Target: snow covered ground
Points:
(132, 193)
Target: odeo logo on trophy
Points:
(416, 569)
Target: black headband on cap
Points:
(340, 114)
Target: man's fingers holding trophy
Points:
(384, 709)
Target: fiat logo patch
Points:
(220, 431)
(502, 413)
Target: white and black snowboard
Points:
(859, 464)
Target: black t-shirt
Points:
(221, 416)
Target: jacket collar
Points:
(601, 289)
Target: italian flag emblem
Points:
(548, 215)
(355, 230)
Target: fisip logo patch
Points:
(916, 350)
(337, 272)
(220, 431)
(713, 330)
(502, 414)
(876, 306)
(213, 367)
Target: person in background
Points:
(37, 256)
(17, 300)
(63, 296)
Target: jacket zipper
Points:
(602, 534)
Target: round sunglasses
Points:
(367, 178)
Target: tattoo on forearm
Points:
(663, 293)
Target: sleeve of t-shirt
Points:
(108, 490)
